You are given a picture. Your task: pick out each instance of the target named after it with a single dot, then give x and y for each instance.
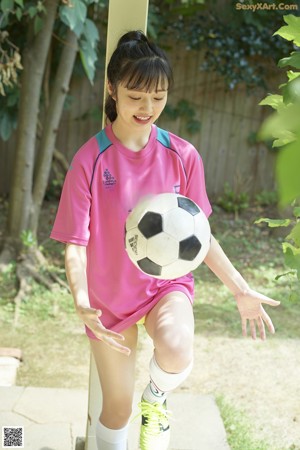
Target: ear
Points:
(110, 90)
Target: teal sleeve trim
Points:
(163, 137)
(103, 141)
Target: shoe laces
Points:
(155, 415)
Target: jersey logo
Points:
(108, 180)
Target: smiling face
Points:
(138, 109)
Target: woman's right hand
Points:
(90, 317)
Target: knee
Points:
(174, 350)
(116, 413)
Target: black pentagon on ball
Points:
(151, 224)
(189, 248)
(188, 205)
(150, 267)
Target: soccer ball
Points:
(167, 235)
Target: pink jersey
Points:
(104, 183)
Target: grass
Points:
(53, 342)
(239, 432)
(238, 429)
(256, 253)
(55, 348)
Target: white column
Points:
(123, 16)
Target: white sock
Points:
(161, 382)
(108, 439)
(152, 394)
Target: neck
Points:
(134, 140)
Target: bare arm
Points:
(221, 266)
(249, 302)
(75, 262)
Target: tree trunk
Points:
(34, 62)
(50, 127)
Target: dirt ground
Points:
(259, 378)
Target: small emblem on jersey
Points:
(108, 180)
(177, 188)
(133, 243)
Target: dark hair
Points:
(138, 64)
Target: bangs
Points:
(147, 74)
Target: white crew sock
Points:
(161, 382)
(108, 439)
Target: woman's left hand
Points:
(250, 307)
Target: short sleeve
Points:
(72, 220)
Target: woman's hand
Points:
(90, 317)
(249, 303)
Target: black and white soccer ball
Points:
(167, 235)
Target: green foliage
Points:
(266, 198)
(75, 17)
(12, 10)
(238, 429)
(232, 201)
(236, 44)
(16, 19)
(291, 31)
(290, 247)
(274, 223)
(27, 238)
(283, 125)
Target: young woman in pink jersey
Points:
(131, 158)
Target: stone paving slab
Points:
(196, 424)
(55, 419)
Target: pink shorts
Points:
(186, 286)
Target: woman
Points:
(127, 160)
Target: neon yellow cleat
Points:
(155, 429)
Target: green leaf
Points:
(20, 3)
(296, 211)
(88, 58)
(295, 234)
(287, 246)
(292, 75)
(274, 223)
(292, 260)
(291, 91)
(287, 172)
(282, 125)
(90, 32)
(19, 14)
(274, 100)
(291, 31)
(74, 16)
(292, 60)
(32, 11)
(285, 138)
(7, 5)
(291, 272)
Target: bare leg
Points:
(117, 375)
(171, 326)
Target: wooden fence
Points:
(228, 119)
